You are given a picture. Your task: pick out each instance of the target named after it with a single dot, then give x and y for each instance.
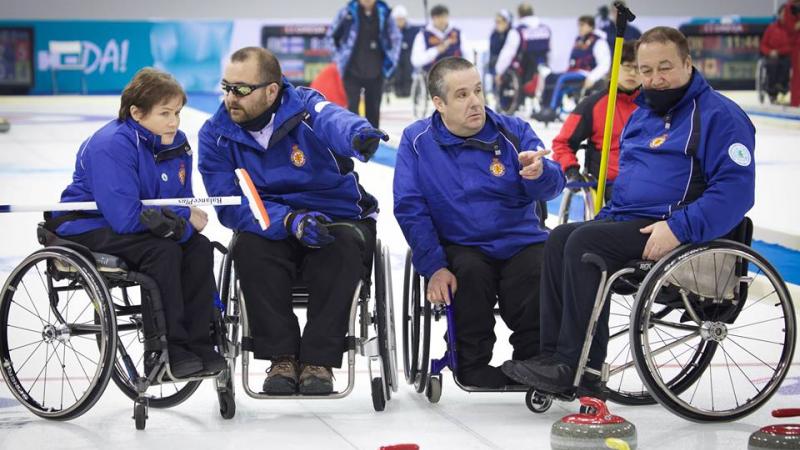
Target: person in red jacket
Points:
(776, 46)
(791, 23)
(587, 123)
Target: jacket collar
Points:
(285, 118)
(485, 139)
(152, 141)
(697, 86)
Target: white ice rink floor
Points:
(36, 161)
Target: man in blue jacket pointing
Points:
(686, 175)
(465, 186)
(297, 148)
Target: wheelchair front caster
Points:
(140, 414)
(537, 402)
(378, 398)
(227, 404)
(433, 389)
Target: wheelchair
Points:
(508, 93)
(419, 94)
(763, 83)
(380, 348)
(708, 331)
(71, 320)
(577, 200)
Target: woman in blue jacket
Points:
(142, 155)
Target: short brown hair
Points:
(664, 35)
(525, 9)
(436, 87)
(588, 20)
(629, 51)
(148, 88)
(268, 64)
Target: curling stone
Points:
(4, 125)
(590, 430)
(777, 436)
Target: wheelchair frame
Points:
(379, 349)
(713, 332)
(100, 274)
(415, 334)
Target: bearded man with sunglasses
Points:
(297, 148)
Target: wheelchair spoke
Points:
(759, 300)
(79, 362)
(674, 325)
(756, 339)
(756, 323)
(17, 370)
(25, 345)
(730, 375)
(63, 376)
(725, 352)
(751, 354)
(24, 329)
(30, 299)
(674, 358)
(48, 357)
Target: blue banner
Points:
(111, 52)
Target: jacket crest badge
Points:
(497, 168)
(298, 157)
(182, 173)
(658, 141)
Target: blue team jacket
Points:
(307, 164)
(702, 197)
(448, 190)
(122, 164)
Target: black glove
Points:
(366, 141)
(163, 223)
(309, 228)
(573, 174)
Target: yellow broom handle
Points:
(608, 130)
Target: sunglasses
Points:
(243, 90)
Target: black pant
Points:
(184, 274)
(482, 281)
(373, 90)
(569, 286)
(267, 271)
(777, 74)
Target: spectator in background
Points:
(437, 40)
(609, 29)
(401, 79)
(776, 46)
(497, 40)
(587, 123)
(589, 62)
(528, 47)
(366, 45)
(791, 23)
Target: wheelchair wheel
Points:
(411, 316)
(761, 80)
(433, 388)
(378, 396)
(538, 402)
(737, 325)
(416, 328)
(131, 337)
(419, 96)
(53, 307)
(384, 310)
(509, 93)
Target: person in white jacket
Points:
(528, 45)
(437, 40)
(589, 63)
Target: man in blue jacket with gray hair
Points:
(297, 148)
(686, 175)
(366, 44)
(465, 188)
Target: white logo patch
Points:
(318, 107)
(164, 177)
(740, 154)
